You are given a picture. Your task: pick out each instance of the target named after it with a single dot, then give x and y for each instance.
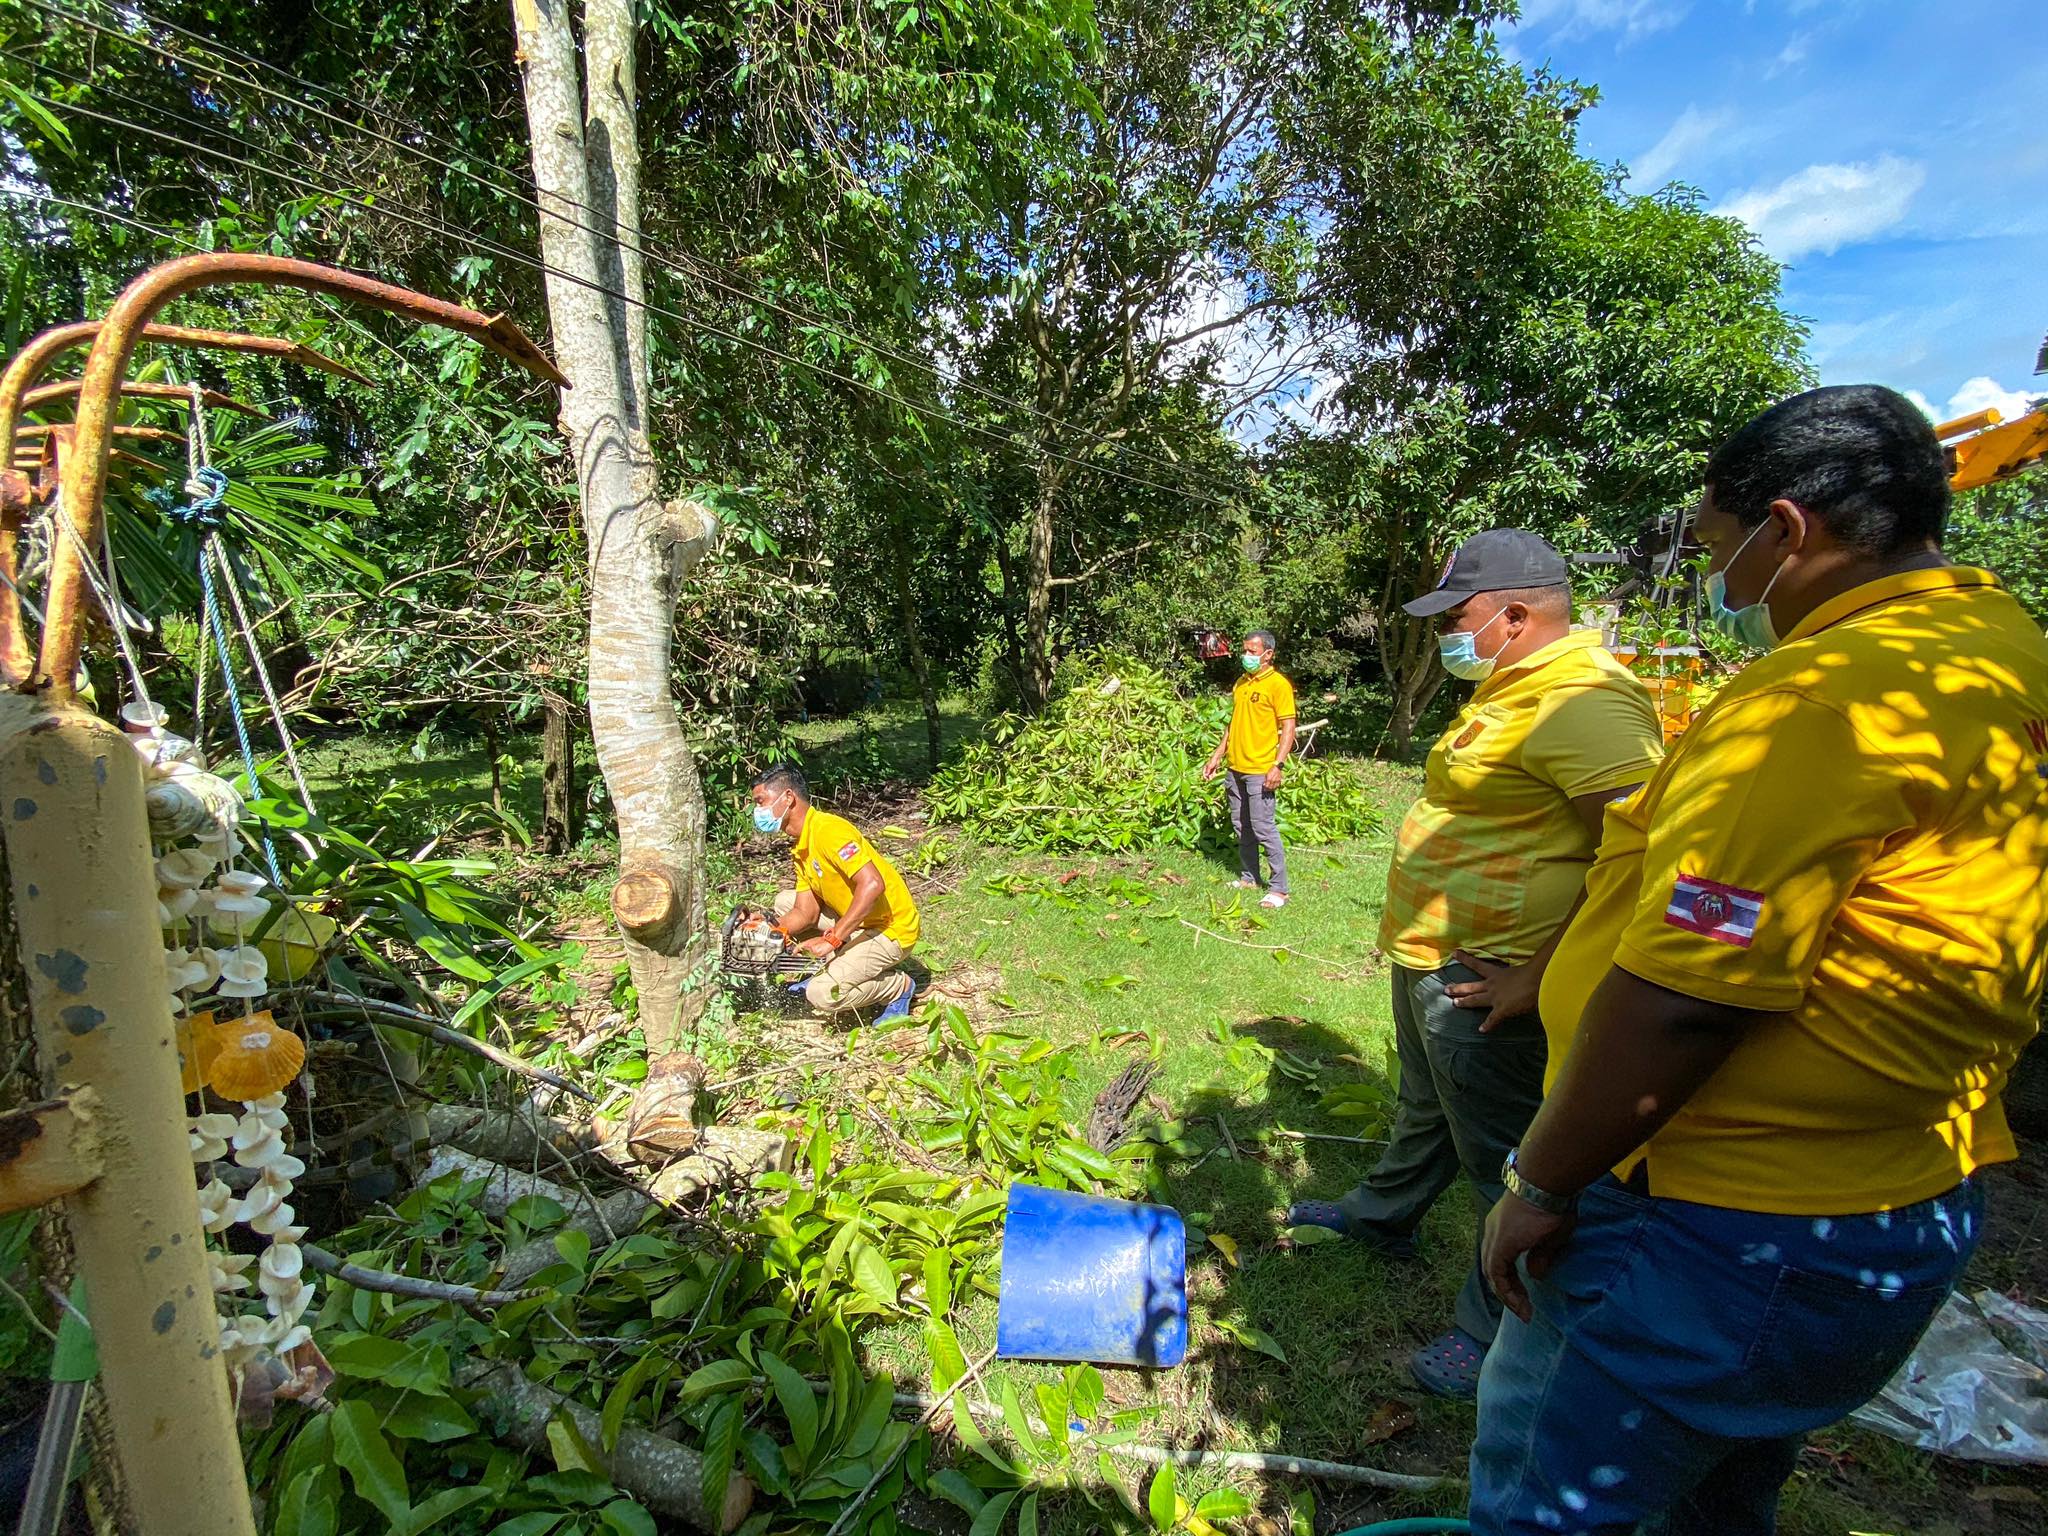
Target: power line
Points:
(698, 268)
(485, 245)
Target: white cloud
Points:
(1683, 140)
(1631, 18)
(1791, 56)
(1982, 392)
(1826, 207)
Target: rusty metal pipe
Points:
(65, 389)
(16, 490)
(85, 468)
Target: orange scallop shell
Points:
(253, 1056)
(196, 1049)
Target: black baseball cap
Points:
(1498, 560)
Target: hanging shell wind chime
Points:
(207, 907)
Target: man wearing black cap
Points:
(1489, 866)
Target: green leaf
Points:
(365, 1455)
(938, 1282)
(721, 1450)
(1309, 1237)
(308, 1505)
(1160, 1505)
(536, 1211)
(438, 1507)
(620, 1398)
(799, 1406)
(873, 1417)
(1027, 1516)
(625, 1518)
(872, 1274)
(1019, 1425)
(949, 1364)
(574, 1248)
(1223, 1504)
(402, 1363)
(540, 1523)
(1301, 1512)
(429, 1417)
(718, 1376)
(953, 1486)
(571, 1451)
(992, 1515)
(971, 1436)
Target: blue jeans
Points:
(1680, 1353)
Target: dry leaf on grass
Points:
(1391, 1418)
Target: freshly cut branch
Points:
(409, 1285)
(665, 1476)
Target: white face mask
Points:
(1459, 653)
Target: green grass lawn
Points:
(1253, 1018)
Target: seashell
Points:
(174, 902)
(298, 1335)
(273, 1222)
(202, 903)
(245, 973)
(233, 1263)
(240, 882)
(262, 1200)
(216, 1205)
(267, 1149)
(204, 1148)
(268, 1103)
(241, 908)
(190, 804)
(196, 1050)
(189, 970)
(184, 869)
(144, 717)
(283, 1261)
(255, 1057)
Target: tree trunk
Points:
(1035, 677)
(920, 664)
(494, 748)
(586, 167)
(557, 776)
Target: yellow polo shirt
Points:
(1852, 837)
(829, 852)
(1259, 702)
(1493, 854)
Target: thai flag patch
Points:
(1724, 912)
(849, 851)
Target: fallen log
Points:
(665, 1476)
(601, 1220)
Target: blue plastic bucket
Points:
(1086, 1278)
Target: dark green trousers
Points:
(1465, 1100)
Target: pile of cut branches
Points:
(1114, 765)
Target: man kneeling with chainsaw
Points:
(850, 907)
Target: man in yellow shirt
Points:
(849, 906)
(1488, 865)
(1256, 747)
(1811, 948)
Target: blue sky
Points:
(1893, 152)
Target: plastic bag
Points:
(1975, 1386)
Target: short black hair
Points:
(1545, 602)
(1860, 457)
(1265, 638)
(783, 776)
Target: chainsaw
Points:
(752, 948)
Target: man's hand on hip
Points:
(1516, 1230)
(1505, 991)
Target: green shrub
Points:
(1115, 765)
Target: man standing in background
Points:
(1810, 951)
(1256, 747)
(1489, 867)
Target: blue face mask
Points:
(1460, 653)
(1752, 625)
(766, 820)
(1251, 661)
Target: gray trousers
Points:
(1254, 817)
(1464, 1102)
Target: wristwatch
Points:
(1523, 1190)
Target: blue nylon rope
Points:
(227, 672)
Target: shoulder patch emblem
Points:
(849, 851)
(1726, 913)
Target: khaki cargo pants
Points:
(867, 973)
